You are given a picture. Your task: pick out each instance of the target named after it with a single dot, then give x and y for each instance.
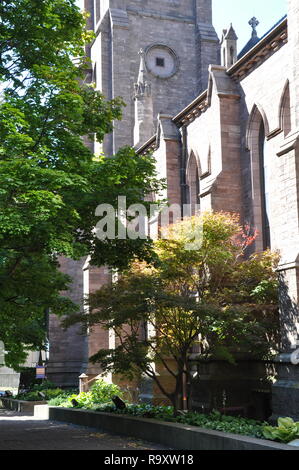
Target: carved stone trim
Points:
(261, 52)
(194, 110)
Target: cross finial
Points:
(254, 23)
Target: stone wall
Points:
(240, 389)
(9, 379)
(214, 139)
(97, 337)
(222, 132)
(128, 26)
(68, 353)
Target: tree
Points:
(50, 182)
(210, 295)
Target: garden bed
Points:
(173, 435)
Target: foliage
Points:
(214, 421)
(34, 395)
(211, 296)
(43, 385)
(103, 391)
(142, 409)
(61, 399)
(286, 431)
(27, 378)
(48, 389)
(218, 422)
(84, 400)
(100, 392)
(27, 291)
(50, 182)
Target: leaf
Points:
(286, 422)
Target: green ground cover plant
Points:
(214, 421)
(100, 392)
(286, 431)
(45, 391)
(36, 395)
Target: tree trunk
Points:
(178, 393)
(184, 387)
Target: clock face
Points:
(161, 61)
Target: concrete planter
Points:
(19, 405)
(175, 436)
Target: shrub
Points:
(102, 392)
(45, 385)
(33, 395)
(61, 399)
(84, 400)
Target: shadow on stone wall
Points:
(289, 315)
(241, 389)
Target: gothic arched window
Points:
(285, 110)
(265, 181)
(193, 179)
(232, 55)
(257, 206)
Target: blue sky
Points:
(239, 12)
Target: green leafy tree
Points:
(210, 296)
(50, 182)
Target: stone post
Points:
(83, 380)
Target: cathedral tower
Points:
(178, 40)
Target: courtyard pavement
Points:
(19, 431)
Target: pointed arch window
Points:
(232, 55)
(264, 161)
(193, 178)
(285, 110)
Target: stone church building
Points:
(224, 129)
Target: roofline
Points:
(233, 70)
(262, 43)
(147, 145)
(190, 106)
(238, 65)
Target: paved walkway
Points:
(22, 432)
